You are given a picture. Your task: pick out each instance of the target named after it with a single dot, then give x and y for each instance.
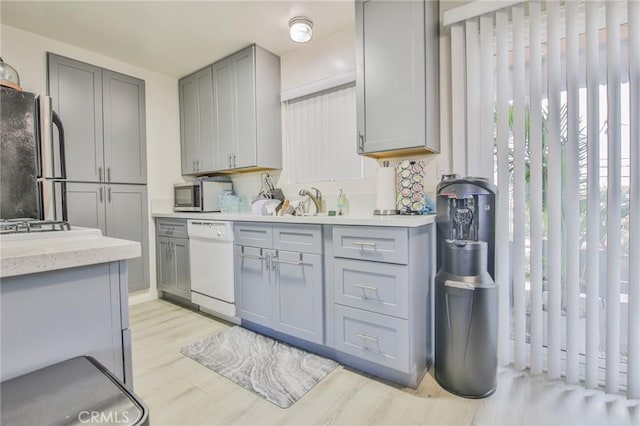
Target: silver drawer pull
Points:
(286, 261)
(364, 244)
(365, 337)
(289, 262)
(250, 256)
(366, 287)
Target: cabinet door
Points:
(166, 265)
(196, 122)
(76, 92)
(298, 295)
(224, 116)
(254, 284)
(189, 124)
(86, 205)
(390, 73)
(245, 120)
(127, 218)
(181, 255)
(125, 152)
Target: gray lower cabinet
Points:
(52, 316)
(103, 113)
(380, 301)
(279, 278)
(397, 77)
(119, 211)
(196, 122)
(172, 258)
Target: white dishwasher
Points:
(211, 254)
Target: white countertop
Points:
(31, 253)
(403, 221)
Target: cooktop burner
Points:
(18, 226)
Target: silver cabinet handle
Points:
(108, 174)
(109, 194)
(365, 337)
(197, 165)
(360, 142)
(289, 262)
(193, 166)
(101, 196)
(100, 174)
(230, 163)
(366, 287)
(234, 161)
(364, 244)
(250, 256)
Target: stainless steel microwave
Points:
(199, 196)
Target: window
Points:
(320, 137)
(556, 99)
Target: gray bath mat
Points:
(279, 373)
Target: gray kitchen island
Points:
(63, 295)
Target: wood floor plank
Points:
(182, 392)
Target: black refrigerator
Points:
(32, 166)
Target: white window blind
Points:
(320, 137)
(552, 88)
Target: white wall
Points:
(26, 52)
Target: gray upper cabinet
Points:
(246, 127)
(397, 77)
(223, 84)
(103, 113)
(246, 146)
(76, 92)
(119, 211)
(125, 155)
(196, 122)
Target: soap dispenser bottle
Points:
(343, 203)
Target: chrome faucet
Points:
(316, 198)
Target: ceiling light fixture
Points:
(300, 29)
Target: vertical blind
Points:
(319, 137)
(549, 95)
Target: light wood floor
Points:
(179, 391)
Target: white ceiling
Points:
(175, 37)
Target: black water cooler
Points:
(466, 296)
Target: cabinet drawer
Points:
(298, 238)
(374, 337)
(380, 244)
(376, 287)
(254, 235)
(171, 228)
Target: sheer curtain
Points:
(548, 94)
